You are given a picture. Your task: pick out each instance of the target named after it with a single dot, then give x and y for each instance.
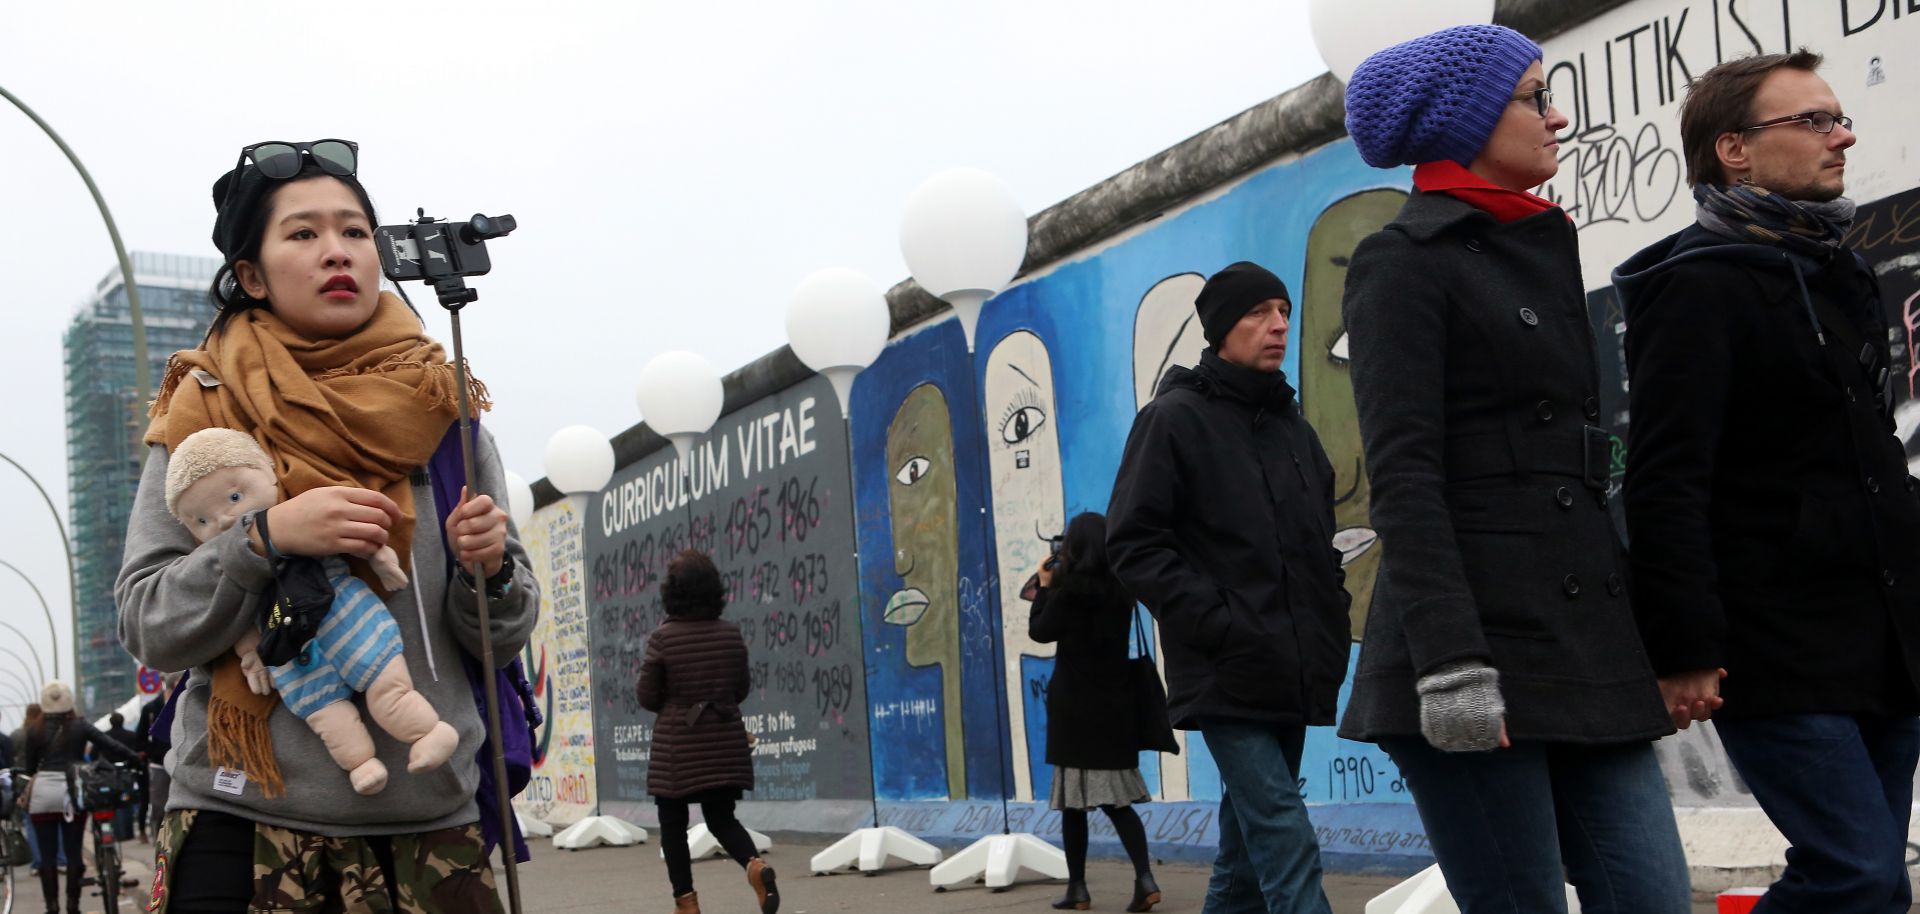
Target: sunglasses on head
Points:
(281, 160)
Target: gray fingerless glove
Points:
(1460, 707)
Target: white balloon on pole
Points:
(1347, 33)
(579, 459)
(837, 324)
(519, 501)
(680, 396)
(964, 237)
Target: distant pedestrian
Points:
(1092, 742)
(123, 817)
(50, 752)
(1501, 668)
(694, 677)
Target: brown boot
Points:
(760, 876)
(687, 904)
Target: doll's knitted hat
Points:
(1436, 97)
(207, 450)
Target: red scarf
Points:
(1446, 176)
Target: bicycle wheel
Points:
(109, 863)
(6, 889)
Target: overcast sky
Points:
(675, 168)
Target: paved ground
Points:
(632, 879)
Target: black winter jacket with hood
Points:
(1775, 528)
(1221, 522)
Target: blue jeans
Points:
(1503, 824)
(1269, 859)
(1840, 788)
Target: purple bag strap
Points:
(447, 474)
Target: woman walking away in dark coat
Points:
(50, 751)
(694, 677)
(1502, 669)
(1091, 739)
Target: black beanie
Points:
(1231, 293)
(232, 203)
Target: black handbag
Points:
(301, 597)
(1149, 696)
(13, 847)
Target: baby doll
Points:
(217, 476)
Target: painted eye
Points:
(235, 498)
(913, 470)
(201, 521)
(1022, 424)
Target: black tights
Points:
(51, 834)
(673, 838)
(1126, 825)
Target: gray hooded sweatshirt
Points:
(183, 605)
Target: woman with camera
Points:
(338, 382)
(1095, 752)
(50, 749)
(694, 676)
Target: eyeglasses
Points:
(280, 160)
(1542, 99)
(1817, 121)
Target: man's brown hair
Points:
(1721, 101)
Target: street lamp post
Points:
(838, 323)
(66, 549)
(964, 238)
(38, 667)
(142, 373)
(52, 632)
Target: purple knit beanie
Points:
(1437, 96)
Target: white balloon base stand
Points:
(702, 843)
(997, 859)
(533, 828)
(593, 831)
(868, 850)
(1426, 893)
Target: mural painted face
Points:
(1259, 340)
(1326, 384)
(1524, 150)
(1023, 456)
(1166, 332)
(1791, 159)
(926, 554)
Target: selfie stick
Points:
(454, 295)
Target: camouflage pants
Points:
(295, 872)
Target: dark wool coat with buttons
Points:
(695, 677)
(1221, 522)
(1091, 618)
(1776, 532)
(1474, 374)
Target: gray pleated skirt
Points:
(1089, 788)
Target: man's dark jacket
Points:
(1775, 528)
(1477, 389)
(1221, 522)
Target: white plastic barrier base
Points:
(869, 849)
(593, 831)
(533, 828)
(702, 843)
(1426, 893)
(997, 859)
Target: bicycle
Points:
(14, 854)
(102, 789)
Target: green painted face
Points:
(1326, 385)
(926, 553)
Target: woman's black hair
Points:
(226, 294)
(693, 589)
(1085, 550)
